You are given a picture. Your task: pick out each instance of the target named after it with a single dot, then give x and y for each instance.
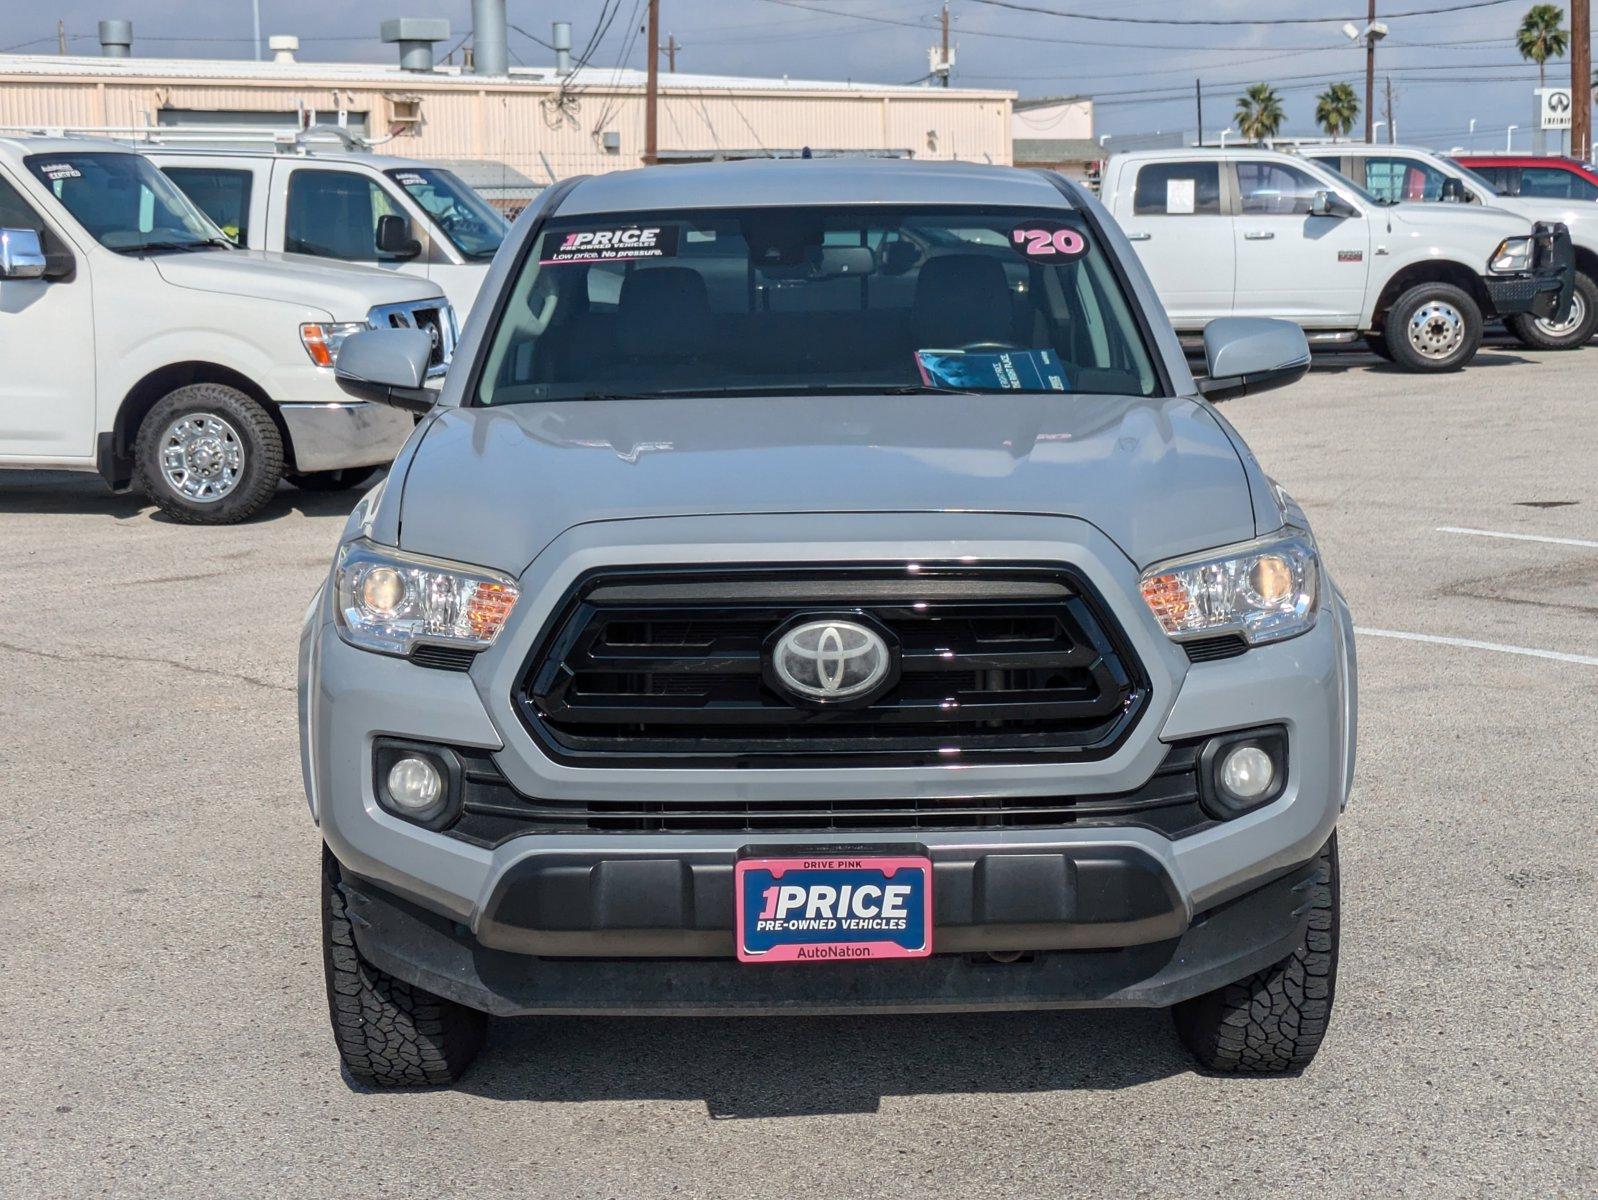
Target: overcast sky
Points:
(1446, 68)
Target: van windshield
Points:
(125, 203)
(474, 226)
(795, 300)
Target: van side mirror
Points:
(1245, 355)
(394, 237)
(1328, 203)
(21, 255)
(388, 366)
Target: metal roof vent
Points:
(116, 38)
(490, 55)
(283, 46)
(415, 36)
(562, 42)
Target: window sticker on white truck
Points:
(54, 171)
(1049, 245)
(1180, 197)
(615, 245)
(410, 179)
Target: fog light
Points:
(1248, 773)
(1240, 772)
(414, 784)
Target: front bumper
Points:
(1545, 291)
(648, 901)
(1225, 944)
(330, 435)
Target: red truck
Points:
(1551, 175)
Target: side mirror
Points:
(1454, 191)
(21, 255)
(394, 237)
(1328, 203)
(1245, 355)
(388, 366)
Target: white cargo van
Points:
(392, 214)
(141, 343)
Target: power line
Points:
(1019, 6)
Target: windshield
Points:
(473, 225)
(125, 203)
(1480, 181)
(794, 300)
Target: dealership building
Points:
(511, 132)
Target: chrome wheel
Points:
(1578, 314)
(1436, 329)
(202, 457)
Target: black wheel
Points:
(1377, 345)
(1433, 327)
(207, 454)
(388, 1032)
(1272, 1022)
(330, 481)
(1573, 332)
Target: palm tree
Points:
(1540, 38)
(1335, 110)
(1259, 112)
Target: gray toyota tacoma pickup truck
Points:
(823, 587)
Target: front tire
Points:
(207, 454)
(1272, 1023)
(1572, 333)
(1376, 343)
(389, 1033)
(1433, 327)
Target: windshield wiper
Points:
(198, 244)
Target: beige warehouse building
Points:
(522, 127)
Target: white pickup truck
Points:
(392, 214)
(1252, 232)
(139, 342)
(1404, 174)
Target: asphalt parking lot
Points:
(160, 974)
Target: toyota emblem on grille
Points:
(825, 660)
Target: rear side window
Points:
(1555, 183)
(1502, 178)
(1276, 189)
(1171, 189)
(221, 194)
(333, 214)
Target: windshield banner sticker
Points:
(411, 179)
(54, 171)
(1049, 245)
(1005, 370)
(615, 245)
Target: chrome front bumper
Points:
(344, 433)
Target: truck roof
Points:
(18, 147)
(762, 182)
(378, 162)
(1187, 153)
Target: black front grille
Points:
(494, 811)
(1003, 663)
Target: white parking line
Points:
(1586, 660)
(1519, 537)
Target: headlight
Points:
(390, 602)
(1265, 590)
(322, 342)
(1512, 256)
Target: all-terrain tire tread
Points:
(389, 1033)
(1273, 1022)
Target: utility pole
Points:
(1387, 111)
(671, 53)
(1198, 101)
(946, 71)
(652, 88)
(61, 37)
(1370, 74)
(1581, 80)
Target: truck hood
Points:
(494, 486)
(1580, 215)
(1415, 219)
(345, 292)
